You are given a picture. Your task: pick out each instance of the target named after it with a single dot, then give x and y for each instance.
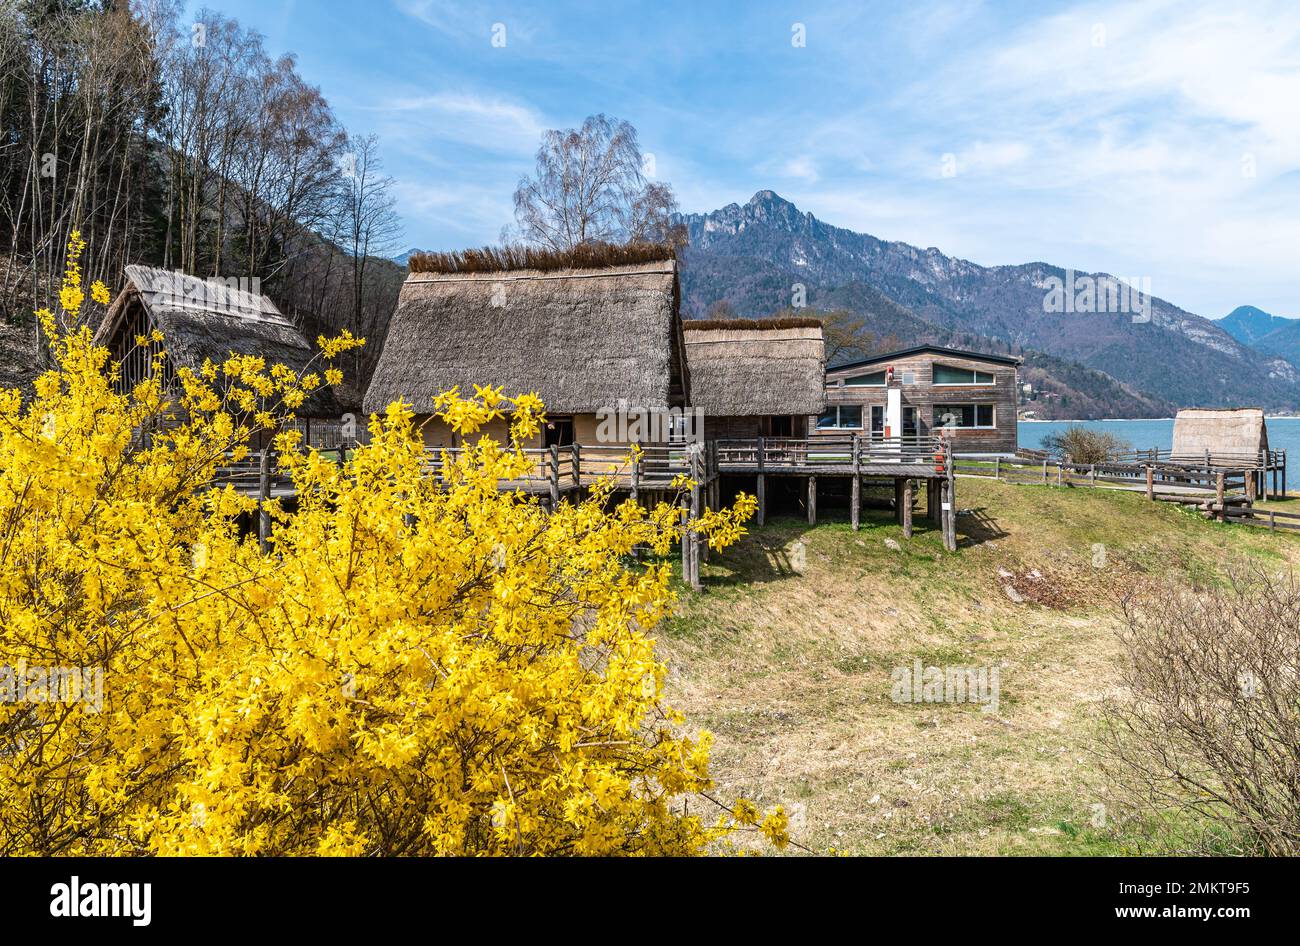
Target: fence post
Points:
(1151, 481)
(263, 496)
(1060, 475)
(997, 468)
(1219, 489)
(1044, 472)
(576, 454)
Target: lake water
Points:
(1283, 434)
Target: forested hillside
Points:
(182, 144)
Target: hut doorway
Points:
(558, 432)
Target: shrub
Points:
(1207, 741)
(1086, 446)
(415, 667)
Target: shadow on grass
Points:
(977, 527)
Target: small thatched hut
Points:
(756, 377)
(1225, 435)
(204, 319)
(594, 332)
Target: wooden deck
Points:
(563, 471)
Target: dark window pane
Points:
(850, 415)
(877, 379)
(827, 420)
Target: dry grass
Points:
(755, 324)
(496, 259)
(787, 658)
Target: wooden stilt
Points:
(907, 508)
(812, 500)
(898, 500)
(932, 500)
(855, 490)
(762, 499)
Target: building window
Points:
(841, 417)
(909, 377)
(965, 416)
(946, 374)
(874, 380)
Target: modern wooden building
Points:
(965, 396)
(592, 335)
(206, 320)
(756, 377)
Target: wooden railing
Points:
(865, 453)
(1148, 475)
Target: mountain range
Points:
(1142, 362)
(1263, 331)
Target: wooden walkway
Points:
(559, 472)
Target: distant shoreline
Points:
(1128, 420)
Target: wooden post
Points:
(697, 471)
(636, 477)
(555, 477)
(264, 496)
(1151, 481)
(932, 501)
(855, 488)
(1219, 489)
(898, 500)
(1249, 476)
(1044, 472)
(762, 486)
(1092, 474)
(952, 511)
(1272, 521)
(812, 500)
(1060, 474)
(907, 508)
(686, 543)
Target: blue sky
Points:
(1154, 140)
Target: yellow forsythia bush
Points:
(413, 667)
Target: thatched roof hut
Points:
(756, 367)
(1222, 432)
(605, 335)
(207, 319)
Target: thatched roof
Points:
(1221, 431)
(206, 319)
(749, 368)
(582, 339)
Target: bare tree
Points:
(590, 186)
(371, 228)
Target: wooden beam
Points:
(762, 499)
(812, 500)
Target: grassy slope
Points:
(790, 666)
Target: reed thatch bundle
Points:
(499, 259)
(749, 368)
(583, 339)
